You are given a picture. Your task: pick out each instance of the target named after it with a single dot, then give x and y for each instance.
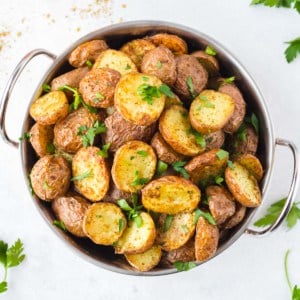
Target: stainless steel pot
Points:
(116, 35)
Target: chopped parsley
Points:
(190, 85)
(46, 88)
(50, 148)
(165, 89)
(82, 176)
(25, 136)
(104, 151)
(127, 67)
(89, 63)
(229, 80)
(221, 154)
(199, 213)
(121, 224)
(161, 167)
(230, 164)
(210, 51)
(138, 180)
(148, 92)
(142, 153)
(60, 224)
(159, 64)
(167, 222)
(219, 179)
(184, 266)
(87, 134)
(178, 166)
(98, 97)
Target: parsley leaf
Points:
(3, 286)
(230, 164)
(199, 213)
(121, 224)
(127, 67)
(88, 134)
(98, 97)
(104, 151)
(3, 249)
(205, 103)
(199, 137)
(178, 166)
(159, 64)
(84, 175)
(221, 154)
(242, 133)
(60, 224)
(229, 79)
(167, 223)
(46, 88)
(184, 228)
(184, 266)
(210, 51)
(50, 148)
(293, 49)
(161, 167)
(142, 153)
(165, 89)
(148, 92)
(189, 82)
(25, 136)
(278, 3)
(253, 120)
(219, 179)
(138, 180)
(89, 63)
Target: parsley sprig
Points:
(88, 134)
(149, 92)
(184, 266)
(279, 3)
(10, 257)
(295, 291)
(167, 222)
(104, 151)
(199, 213)
(178, 166)
(293, 49)
(138, 180)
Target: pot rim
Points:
(169, 26)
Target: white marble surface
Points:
(252, 268)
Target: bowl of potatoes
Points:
(147, 147)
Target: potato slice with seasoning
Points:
(185, 253)
(138, 98)
(243, 185)
(252, 164)
(175, 230)
(210, 111)
(209, 62)
(90, 173)
(145, 261)
(134, 165)
(137, 239)
(104, 223)
(170, 195)
(237, 218)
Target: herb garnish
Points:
(46, 88)
(295, 291)
(229, 79)
(253, 120)
(219, 179)
(104, 151)
(25, 136)
(89, 63)
(148, 92)
(210, 51)
(178, 166)
(121, 224)
(242, 133)
(199, 213)
(230, 164)
(142, 153)
(10, 257)
(82, 176)
(184, 266)
(50, 148)
(165, 89)
(221, 154)
(138, 180)
(127, 67)
(158, 64)
(293, 49)
(167, 222)
(190, 85)
(199, 137)
(184, 228)
(161, 167)
(60, 224)
(279, 3)
(205, 103)
(98, 97)
(88, 134)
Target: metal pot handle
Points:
(291, 195)
(9, 87)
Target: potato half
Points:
(104, 223)
(134, 165)
(185, 253)
(90, 173)
(210, 111)
(170, 195)
(138, 99)
(145, 261)
(243, 185)
(137, 239)
(252, 164)
(176, 129)
(180, 230)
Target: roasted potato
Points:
(90, 173)
(210, 111)
(145, 261)
(114, 194)
(50, 177)
(214, 140)
(163, 151)
(206, 240)
(104, 223)
(119, 131)
(176, 130)
(136, 49)
(176, 44)
(237, 218)
(239, 112)
(133, 101)
(98, 87)
(179, 231)
(71, 78)
(161, 63)
(191, 77)
(170, 195)
(87, 51)
(41, 139)
(70, 209)
(137, 239)
(209, 62)
(252, 164)
(66, 136)
(172, 101)
(115, 60)
(245, 140)
(49, 108)
(243, 185)
(134, 165)
(220, 202)
(204, 168)
(185, 253)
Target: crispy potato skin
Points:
(40, 137)
(114, 194)
(115, 60)
(50, 177)
(147, 260)
(215, 140)
(175, 128)
(128, 161)
(170, 195)
(208, 119)
(252, 164)
(131, 105)
(176, 44)
(119, 131)
(70, 209)
(206, 240)
(185, 253)
(136, 50)
(87, 51)
(172, 101)
(243, 185)
(95, 186)
(221, 203)
(161, 63)
(237, 218)
(102, 223)
(205, 167)
(49, 108)
(137, 239)
(238, 115)
(99, 82)
(188, 66)
(65, 130)
(210, 63)
(164, 151)
(182, 228)
(71, 78)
